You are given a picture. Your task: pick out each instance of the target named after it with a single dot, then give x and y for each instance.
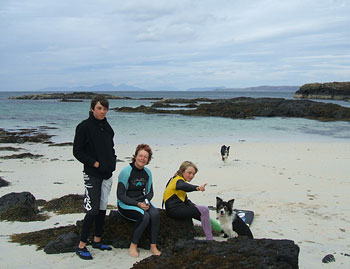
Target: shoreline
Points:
(298, 191)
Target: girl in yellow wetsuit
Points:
(177, 204)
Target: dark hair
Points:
(143, 147)
(99, 98)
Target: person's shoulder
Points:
(147, 170)
(126, 169)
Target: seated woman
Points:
(178, 206)
(134, 192)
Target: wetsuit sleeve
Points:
(121, 194)
(80, 140)
(150, 194)
(183, 186)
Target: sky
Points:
(173, 45)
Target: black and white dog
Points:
(225, 151)
(229, 220)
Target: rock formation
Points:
(330, 90)
(18, 207)
(246, 107)
(175, 239)
(24, 135)
(239, 252)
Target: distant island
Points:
(329, 90)
(66, 97)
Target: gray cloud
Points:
(179, 44)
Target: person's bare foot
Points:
(154, 250)
(133, 250)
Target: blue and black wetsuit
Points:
(134, 186)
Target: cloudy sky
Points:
(154, 44)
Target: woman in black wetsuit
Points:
(135, 192)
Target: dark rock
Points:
(61, 144)
(330, 90)
(62, 244)
(328, 258)
(117, 232)
(3, 182)
(65, 100)
(245, 107)
(10, 149)
(240, 252)
(19, 207)
(23, 135)
(22, 156)
(176, 240)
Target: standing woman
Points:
(134, 193)
(177, 204)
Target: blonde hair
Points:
(184, 166)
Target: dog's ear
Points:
(218, 200)
(230, 202)
(228, 147)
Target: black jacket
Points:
(93, 142)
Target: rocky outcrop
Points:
(18, 207)
(240, 252)
(66, 97)
(22, 156)
(245, 107)
(330, 90)
(117, 232)
(175, 239)
(24, 135)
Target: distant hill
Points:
(203, 89)
(264, 88)
(99, 87)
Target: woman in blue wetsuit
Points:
(135, 192)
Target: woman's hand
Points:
(143, 206)
(202, 187)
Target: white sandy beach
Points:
(298, 191)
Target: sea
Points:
(61, 118)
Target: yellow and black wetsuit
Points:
(177, 205)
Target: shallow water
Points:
(162, 129)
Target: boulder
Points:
(62, 244)
(239, 252)
(3, 182)
(18, 206)
(328, 258)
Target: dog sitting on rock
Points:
(230, 222)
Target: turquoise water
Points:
(136, 128)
